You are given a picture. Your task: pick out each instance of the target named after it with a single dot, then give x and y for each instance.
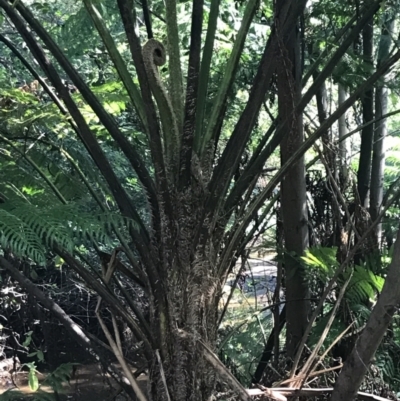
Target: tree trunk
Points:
(321, 97)
(293, 192)
(342, 127)
(192, 308)
(364, 167)
(269, 347)
(378, 155)
(356, 365)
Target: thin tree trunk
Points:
(378, 155)
(364, 167)
(321, 97)
(269, 347)
(343, 172)
(293, 191)
(356, 365)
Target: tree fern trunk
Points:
(192, 295)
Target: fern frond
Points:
(20, 238)
(320, 261)
(385, 364)
(364, 285)
(31, 231)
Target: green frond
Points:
(60, 376)
(244, 343)
(17, 176)
(28, 230)
(362, 313)
(19, 237)
(386, 366)
(320, 261)
(363, 286)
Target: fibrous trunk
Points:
(192, 295)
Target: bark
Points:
(356, 365)
(187, 277)
(378, 155)
(293, 191)
(364, 167)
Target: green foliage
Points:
(363, 286)
(33, 380)
(11, 395)
(29, 230)
(336, 329)
(242, 345)
(322, 261)
(366, 280)
(365, 283)
(55, 380)
(386, 366)
(33, 225)
(60, 376)
(387, 359)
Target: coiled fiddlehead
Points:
(154, 56)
